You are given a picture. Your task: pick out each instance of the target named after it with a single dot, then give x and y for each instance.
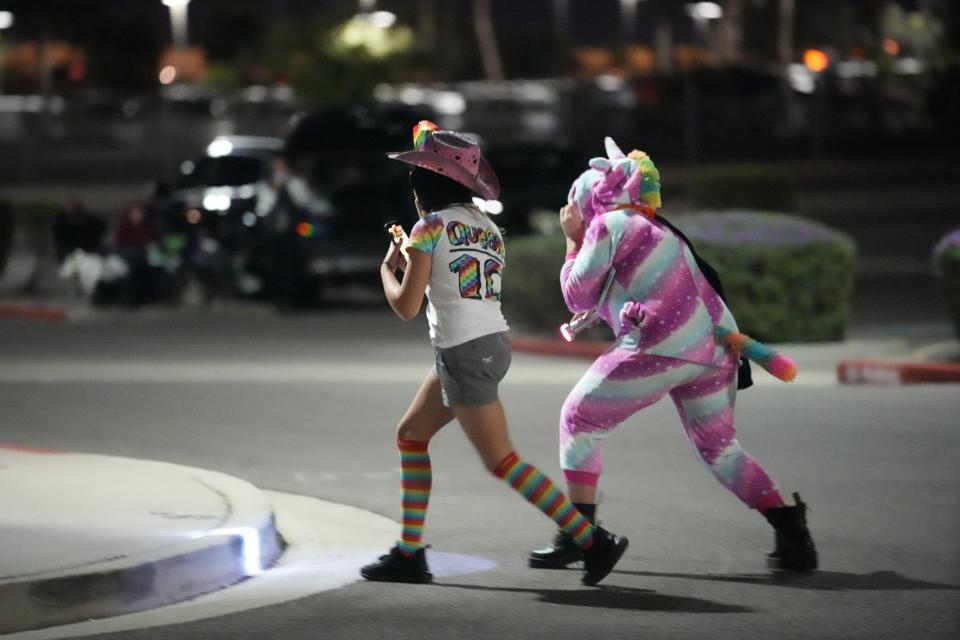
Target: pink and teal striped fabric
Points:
(656, 269)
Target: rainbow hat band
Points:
(453, 155)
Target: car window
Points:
(225, 171)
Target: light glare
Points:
(219, 147)
(383, 19)
(705, 11)
(168, 74)
(216, 202)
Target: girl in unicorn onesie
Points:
(675, 336)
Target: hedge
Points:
(32, 219)
(787, 279)
(743, 186)
(6, 233)
(946, 260)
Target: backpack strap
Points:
(744, 375)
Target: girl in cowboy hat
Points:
(675, 335)
(455, 255)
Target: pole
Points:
(628, 21)
(487, 40)
(178, 18)
(561, 32)
(178, 21)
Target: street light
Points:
(705, 10)
(178, 21)
(702, 13)
(6, 21)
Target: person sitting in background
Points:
(133, 238)
(74, 227)
(136, 232)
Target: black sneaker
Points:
(602, 556)
(398, 567)
(562, 551)
(794, 550)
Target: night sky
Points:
(591, 21)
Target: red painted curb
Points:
(587, 349)
(25, 449)
(892, 372)
(30, 312)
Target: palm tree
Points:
(487, 40)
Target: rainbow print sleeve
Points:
(426, 233)
(582, 277)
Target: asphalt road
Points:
(307, 404)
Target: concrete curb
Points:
(184, 556)
(865, 371)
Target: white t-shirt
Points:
(464, 288)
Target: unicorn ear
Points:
(613, 151)
(600, 164)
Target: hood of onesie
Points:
(619, 181)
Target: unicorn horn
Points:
(613, 151)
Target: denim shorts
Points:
(470, 372)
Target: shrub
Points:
(6, 233)
(531, 287)
(31, 223)
(743, 186)
(787, 279)
(532, 300)
(946, 260)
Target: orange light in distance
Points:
(891, 46)
(193, 216)
(815, 60)
(305, 229)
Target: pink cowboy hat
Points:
(452, 155)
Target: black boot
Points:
(602, 556)
(563, 550)
(794, 546)
(397, 567)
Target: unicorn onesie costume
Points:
(675, 336)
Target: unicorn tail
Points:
(779, 366)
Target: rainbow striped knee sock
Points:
(540, 491)
(416, 478)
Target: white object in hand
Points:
(579, 324)
(583, 321)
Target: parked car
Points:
(340, 193)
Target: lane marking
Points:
(525, 371)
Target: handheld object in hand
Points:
(578, 325)
(397, 235)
